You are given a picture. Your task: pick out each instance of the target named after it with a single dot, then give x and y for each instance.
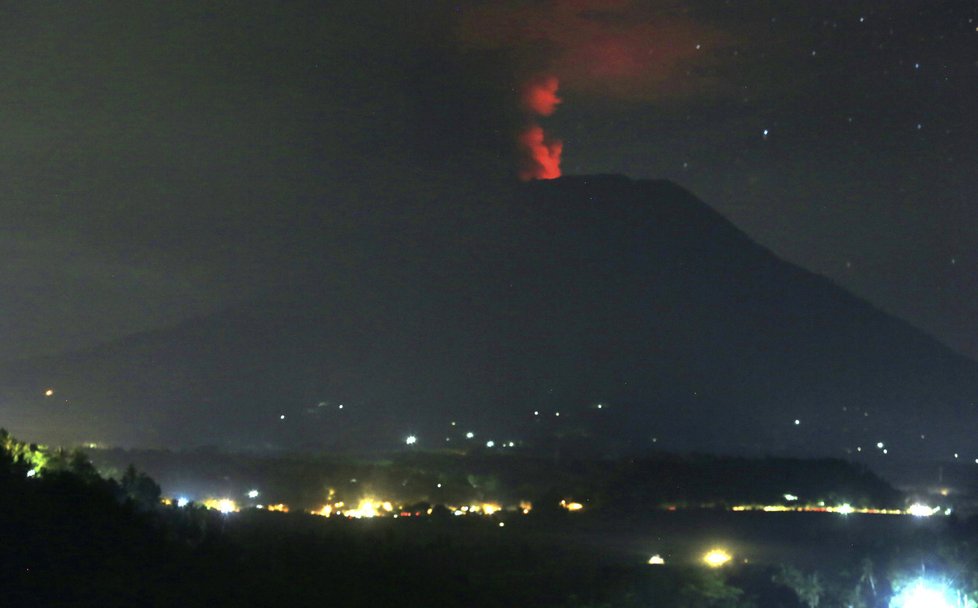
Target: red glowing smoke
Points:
(540, 155)
(541, 158)
(540, 96)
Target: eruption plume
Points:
(540, 96)
(540, 156)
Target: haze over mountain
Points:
(546, 297)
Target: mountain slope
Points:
(554, 296)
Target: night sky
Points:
(160, 161)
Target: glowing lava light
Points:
(716, 558)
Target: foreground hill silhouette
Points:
(549, 296)
(75, 538)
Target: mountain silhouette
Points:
(545, 297)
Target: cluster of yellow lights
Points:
(571, 506)
(372, 507)
(368, 508)
(365, 509)
(224, 505)
(843, 509)
(486, 508)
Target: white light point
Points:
(282, 417)
(183, 501)
(469, 435)
(253, 494)
(922, 510)
(656, 560)
(925, 594)
(411, 440)
(797, 422)
(490, 444)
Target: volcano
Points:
(630, 308)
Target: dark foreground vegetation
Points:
(74, 538)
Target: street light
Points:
(924, 593)
(716, 558)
